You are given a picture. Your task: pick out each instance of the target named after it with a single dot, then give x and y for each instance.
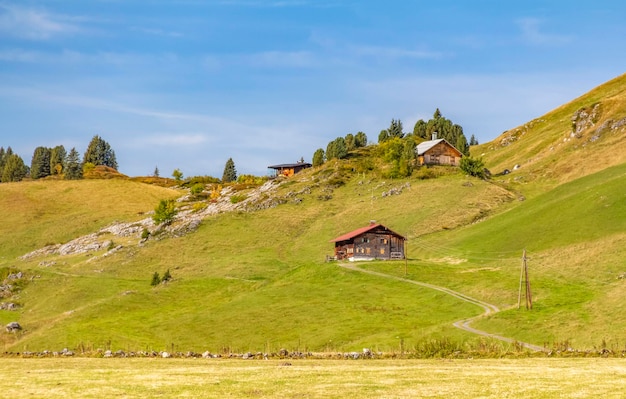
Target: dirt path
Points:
(464, 324)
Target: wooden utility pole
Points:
(524, 281)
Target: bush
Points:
(197, 188)
(473, 167)
(237, 198)
(165, 212)
(156, 280)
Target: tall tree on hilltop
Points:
(360, 140)
(14, 168)
(318, 157)
(57, 160)
(350, 144)
(40, 164)
(336, 149)
(99, 152)
(473, 140)
(394, 130)
(73, 169)
(230, 173)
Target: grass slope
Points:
(258, 280)
(552, 151)
(251, 280)
(39, 213)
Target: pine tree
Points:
(156, 172)
(99, 152)
(73, 169)
(360, 140)
(40, 164)
(14, 168)
(318, 157)
(230, 173)
(473, 140)
(57, 160)
(350, 144)
(2, 156)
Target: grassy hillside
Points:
(579, 138)
(38, 213)
(251, 280)
(258, 280)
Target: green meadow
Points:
(259, 280)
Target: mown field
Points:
(217, 378)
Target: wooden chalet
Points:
(438, 152)
(367, 243)
(288, 169)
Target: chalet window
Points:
(365, 239)
(350, 250)
(383, 241)
(382, 251)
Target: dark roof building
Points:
(371, 242)
(289, 169)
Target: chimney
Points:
(434, 136)
(372, 222)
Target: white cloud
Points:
(33, 24)
(171, 139)
(533, 34)
(394, 52)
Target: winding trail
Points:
(462, 324)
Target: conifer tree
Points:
(14, 168)
(57, 160)
(99, 152)
(73, 169)
(360, 140)
(230, 173)
(318, 157)
(350, 144)
(40, 164)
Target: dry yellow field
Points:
(221, 378)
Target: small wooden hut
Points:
(438, 152)
(371, 242)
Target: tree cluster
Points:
(445, 129)
(339, 148)
(56, 161)
(12, 167)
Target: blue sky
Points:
(187, 84)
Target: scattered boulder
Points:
(13, 326)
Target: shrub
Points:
(166, 276)
(156, 280)
(237, 198)
(197, 188)
(165, 212)
(145, 234)
(473, 167)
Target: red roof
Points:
(362, 230)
